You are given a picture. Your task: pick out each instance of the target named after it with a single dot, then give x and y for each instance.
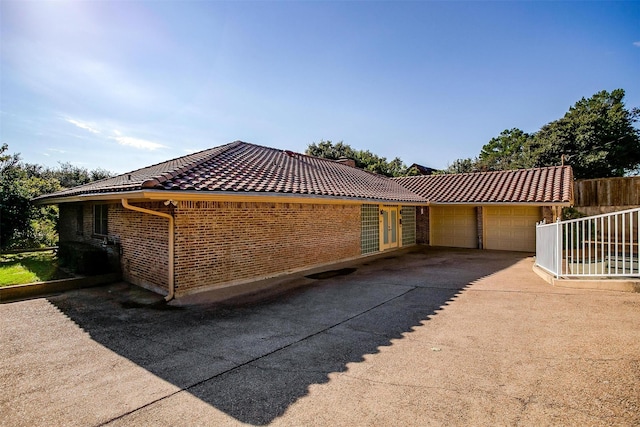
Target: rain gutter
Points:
(126, 205)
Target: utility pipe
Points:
(126, 205)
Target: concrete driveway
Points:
(417, 337)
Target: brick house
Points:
(240, 212)
(489, 210)
(235, 214)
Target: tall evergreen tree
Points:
(596, 137)
(509, 150)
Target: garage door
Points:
(453, 226)
(511, 228)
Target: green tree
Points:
(364, 159)
(329, 150)
(70, 175)
(467, 165)
(13, 199)
(22, 223)
(509, 150)
(596, 137)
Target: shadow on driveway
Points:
(254, 361)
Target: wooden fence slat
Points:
(623, 191)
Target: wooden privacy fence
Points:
(607, 192)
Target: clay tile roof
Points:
(540, 185)
(243, 167)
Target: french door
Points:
(389, 227)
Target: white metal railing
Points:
(548, 242)
(602, 245)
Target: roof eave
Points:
(186, 195)
(91, 197)
(472, 203)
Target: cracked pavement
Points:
(423, 336)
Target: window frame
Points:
(101, 220)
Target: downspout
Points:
(126, 205)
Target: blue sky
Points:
(126, 84)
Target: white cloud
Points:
(82, 125)
(142, 144)
(636, 44)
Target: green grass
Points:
(29, 267)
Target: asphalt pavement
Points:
(415, 337)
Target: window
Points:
(100, 219)
(369, 220)
(408, 214)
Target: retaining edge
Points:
(31, 290)
(620, 285)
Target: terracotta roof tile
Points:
(539, 185)
(244, 167)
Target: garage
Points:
(491, 210)
(454, 226)
(511, 228)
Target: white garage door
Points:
(454, 226)
(511, 228)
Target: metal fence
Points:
(547, 246)
(597, 246)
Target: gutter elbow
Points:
(171, 244)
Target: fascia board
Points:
(163, 195)
(500, 203)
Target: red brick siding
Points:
(548, 214)
(480, 226)
(422, 225)
(144, 244)
(219, 242)
(142, 240)
(69, 231)
(68, 227)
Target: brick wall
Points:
(422, 225)
(548, 214)
(219, 242)
(144, 243)
(67, 222)
(75, 224)
(137, 242)
(480, 226)
(68, 228)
